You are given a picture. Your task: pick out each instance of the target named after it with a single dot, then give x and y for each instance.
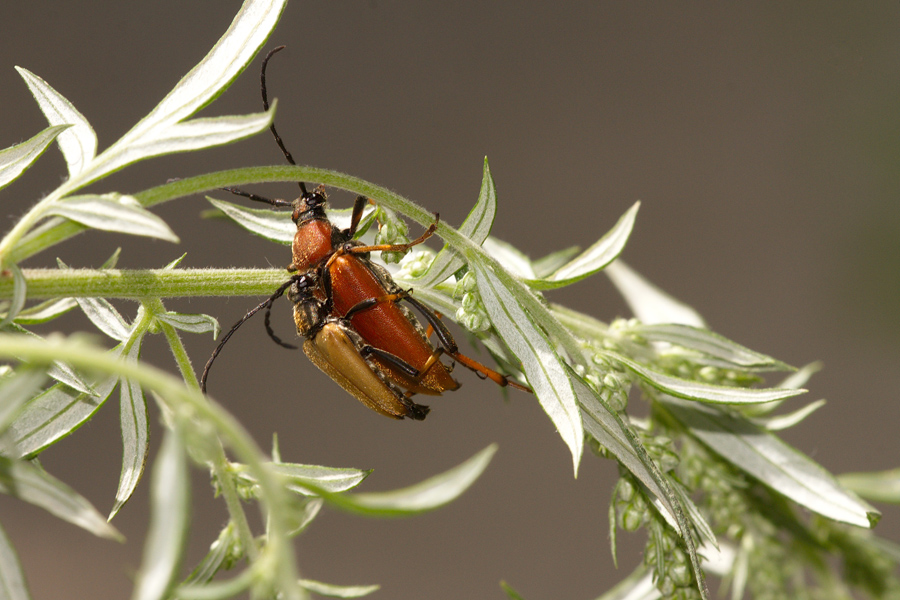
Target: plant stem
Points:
(150, 283)
(220, 459)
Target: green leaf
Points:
(476, 227)
(28, 482)
(112, 212)
(595, 258)
(221, 555)
(169, 520)
(105, 317)
(781, 422)
(45, 311)
(158, 132)
(192, 323)
(57, 412)
(204, 133)
(427, 495)
(637, 586)
(298, 477)
(546, 265)
(20, 290)
(881, 486)
(78, 143)
(270, 224)
(15, 391)
(704, 392)
(60, 371)
(135, 435)
(710, 344)
(771, 461)
(337, 591)
(510, 257)
(16, 159)
(545, 371)
(12, 579)
(649, 303)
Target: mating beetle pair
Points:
(348, 310)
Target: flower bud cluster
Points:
(415, 264)
(471, 314)
(391, 230)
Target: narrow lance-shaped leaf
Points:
(15, 391)
(337, 591)
(28, 482)
(59, 371)
(112, 212)
(135, 435)
(57, 412)
(78, 144)
(169, 520)
(545, 371)
(231, 54)
(427, 495)
(16, 159)
(12, 579)
(649, 303)
(191, 323)
(704, 392)
(595, 258)
(711, 344)
(608, 428)
(270, 224)
(881, 486)
(476, 227)
(774, 463)
(297, 477)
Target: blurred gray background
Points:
(762, 141)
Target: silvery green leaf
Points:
(202, 133)
(711, 344)
(798, 379)
(607, 427)
(337, 591)
(231, 54)
(45, 311)
(770, 460)
(221, 554)
(59, 371)
(881, 486)
(174, 263)
(112, 212)
(546, 372)
(510, 257)
(190, 323)
(329, 479)
(28, 482)
(12, 579)
(270, 224)
(421, 497)
(553, 261)
(105, 317)
(135, 435)
(649, 303)
(476, 227)
(170, 505)
(704, 392)
(15, 391)
(595, 258)
(78, 143)
(780, 422)
(57, 412)
(20, 290)
(113, 260)
(16, 159)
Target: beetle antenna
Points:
(257, 197)
(265, 99)
(267, 303)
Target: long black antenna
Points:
(265, 99)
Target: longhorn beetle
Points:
(360, 301)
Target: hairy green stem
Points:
(220, 459)
(150, 283)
